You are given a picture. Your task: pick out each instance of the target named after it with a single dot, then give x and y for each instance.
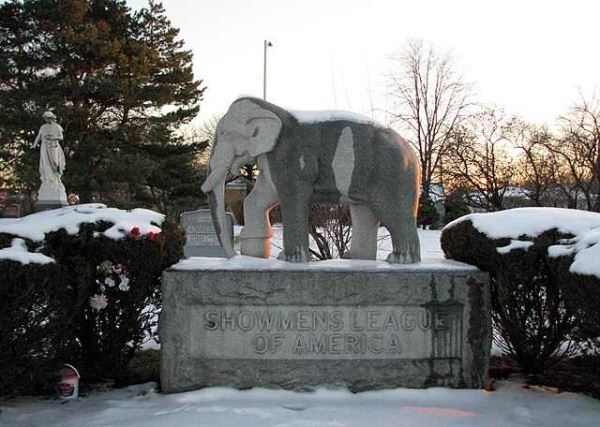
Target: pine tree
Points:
(428, 214)
(455, 206)
(122, 86)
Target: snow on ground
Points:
(510, 405)
(431, 255)
(34, 227)
(6, 221)
(523, 224)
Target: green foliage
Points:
(428, 215)
(45, 314)
(143, 367)
(121, 84)
(537, 303)
(455, 206)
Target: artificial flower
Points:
(124, 285)
(98, 302)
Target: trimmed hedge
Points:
(538, 304)
(46, 315)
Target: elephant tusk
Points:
(213, 179)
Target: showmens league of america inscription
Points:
(299, 326)
(329, 332)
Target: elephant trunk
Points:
(214, 179)
(214, 187)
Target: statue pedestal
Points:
(249, 322)
(51, 196)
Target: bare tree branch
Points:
(430, 99)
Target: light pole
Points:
(266, 44)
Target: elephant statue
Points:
(304, 157)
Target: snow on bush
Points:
(36, 226)
(545, 276)
(18, 252)
(522, 225)
(81, 285)
(140, 222)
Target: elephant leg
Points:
(398, 213)
(364, 232)
(294, 213)
(255, 238)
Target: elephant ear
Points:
(262, 127)
(264, 132)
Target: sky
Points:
(531, 57)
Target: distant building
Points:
(12, 203)
(520, 197)
(437, 196)
(235, 193)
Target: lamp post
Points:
(266, 44)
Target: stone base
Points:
(362, 325)
(46, 205)
(51, 196)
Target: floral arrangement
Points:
(110, 275)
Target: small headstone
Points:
(12, 211)
(200, 236)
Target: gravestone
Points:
(270, 323)
(12, 211)
(201, 239)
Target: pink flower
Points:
(73, 199)
(117, 268)
(98, 302)
(135, 231)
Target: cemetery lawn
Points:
(140, 405)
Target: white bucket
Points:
(68, 386)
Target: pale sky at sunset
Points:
(527, 56)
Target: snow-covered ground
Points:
(510, 405)
(431, 256)
(431, 251)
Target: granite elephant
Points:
(304, 157)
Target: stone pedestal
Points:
(51, 196)
(359, 324)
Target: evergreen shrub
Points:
(428, 215)
(540, 308)
(93, 307)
